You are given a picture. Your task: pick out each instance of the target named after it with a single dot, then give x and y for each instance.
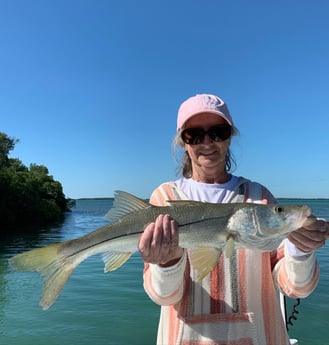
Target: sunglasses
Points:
(194, 136)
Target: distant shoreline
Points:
(294, 198)
(100, 198)
(278, 198)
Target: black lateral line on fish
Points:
(134, 233)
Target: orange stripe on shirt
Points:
(217, 289)
(271, 312)
(290, 289)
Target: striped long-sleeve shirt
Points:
(236, 303)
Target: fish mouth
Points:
(306, 210)
(304, 215)
(301, 219)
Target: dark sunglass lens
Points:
(193, 136)
(220, 133)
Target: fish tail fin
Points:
(54, 268)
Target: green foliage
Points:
(27, 195)
(6, 145)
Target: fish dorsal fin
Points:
(125, 203)
(113, 260)
(204, 260)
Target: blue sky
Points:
(91, 88)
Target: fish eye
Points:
(279, 209)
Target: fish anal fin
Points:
(204, 260)
(125, 203)
(113, 260)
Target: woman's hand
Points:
(311, 236)
(159, 242)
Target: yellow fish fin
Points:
(229, 248)
(113, 260)
(204, 260)
(54, 268)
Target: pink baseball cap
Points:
(204, 103)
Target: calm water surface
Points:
(112, 308)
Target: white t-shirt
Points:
(206, 192)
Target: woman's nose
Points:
(207, 139)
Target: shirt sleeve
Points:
(296, 276)
(295, 252)
(165, 286)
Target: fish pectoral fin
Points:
(204, 260)
(230, 246)
(113, 260)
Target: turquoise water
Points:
(112, 308)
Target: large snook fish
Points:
(205, 229)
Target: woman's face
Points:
(209, 155)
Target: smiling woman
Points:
(206, 158)
(222, 308)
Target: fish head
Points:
(265, 226)
(280, 219)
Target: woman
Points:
(236, 303)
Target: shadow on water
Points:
(24, 239)
(17, 240)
